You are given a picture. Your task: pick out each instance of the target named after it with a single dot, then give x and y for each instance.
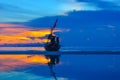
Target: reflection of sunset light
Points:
(38, 59)
(10, 62)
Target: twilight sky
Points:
(24, 10)
(85, 23)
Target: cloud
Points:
(21, 34)
(104, 4)
(4, 25)
(14, 13)
(27, 10)
(116, 2)
(78, 6)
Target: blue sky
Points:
(24, 10)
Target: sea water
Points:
(70, 67)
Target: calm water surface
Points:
(58, 66)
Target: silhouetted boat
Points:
(53, 41)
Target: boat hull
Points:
(50, 47)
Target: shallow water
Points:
(62, 67)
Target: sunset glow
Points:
(19, 34)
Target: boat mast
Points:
(54, 26)
(52, 29)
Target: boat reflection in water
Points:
(54, 59)
(14, 62)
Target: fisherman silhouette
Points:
(53, 44)
(52, 38)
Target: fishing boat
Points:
(53, 43)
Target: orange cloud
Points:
(19, 34)
(11, 25)
(11, 62)
(21, 48)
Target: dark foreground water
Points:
(60, 67)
